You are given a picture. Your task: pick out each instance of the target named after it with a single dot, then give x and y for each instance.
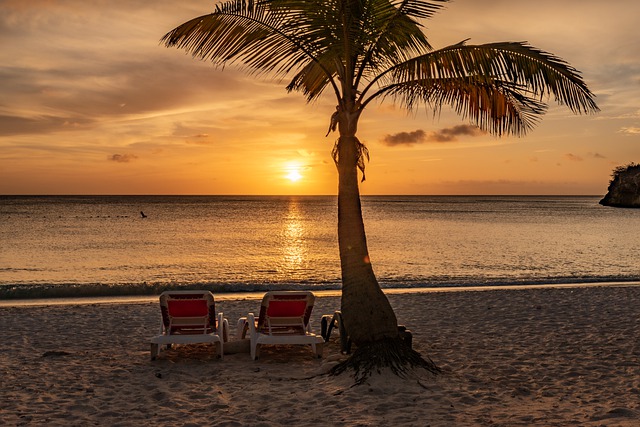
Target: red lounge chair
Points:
(284, 319)
(189, 317)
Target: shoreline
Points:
(552, 356)
(256, 295)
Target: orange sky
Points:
(91, 103)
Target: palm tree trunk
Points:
(367, 314)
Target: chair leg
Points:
(220, 347)
(318, 349)
(225, 330)
(405, 335)
(323, 327)
(345, 339)
(155, 351)
(239, 327)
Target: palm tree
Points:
(366, 50)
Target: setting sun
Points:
(294, 175)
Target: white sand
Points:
(542, 357)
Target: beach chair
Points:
(284, 319)
(329, 322)
(189, 317)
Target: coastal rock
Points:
(624, 187)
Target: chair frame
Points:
(329, 322)
(180, 328)
(277, 324)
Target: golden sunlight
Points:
(294, 176)
(293, 172)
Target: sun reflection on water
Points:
(293, 236)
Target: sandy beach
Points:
(534, 357)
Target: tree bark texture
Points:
(367, 313)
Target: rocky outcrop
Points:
(624, 188)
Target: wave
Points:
(75, 290)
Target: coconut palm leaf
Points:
(317, 40)
(363, 37)
(247, 33)
(499, 86)
(495, 106)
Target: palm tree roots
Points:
(389, 353)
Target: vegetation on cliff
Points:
(624, 187)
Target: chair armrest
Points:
(240, 328)
(252, 325)
(162, 328)
(223, 327)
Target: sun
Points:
(294, 175)
(293, 171)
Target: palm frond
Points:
(536, 71)
(354, 37)
(380, 33)
(500, 86)
(317, 40)
(313, 79)
(343, 43)
(394, 34)
(249, 33)
(495, 106)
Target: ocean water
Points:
(100, 245)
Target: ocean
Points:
(102, 246)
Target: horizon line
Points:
(291, 195)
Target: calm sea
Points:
(101, 245)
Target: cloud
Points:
(14, 125)
(597, 156)
(122, 158)
(199, 139)
(405, 138)
(443, 135)
(305, 153)
(630, 130)
(451, 134)
(573, 157)
(115, 70)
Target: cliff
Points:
(624, 187)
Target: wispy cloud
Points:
(630, 130)
(573, 157)
(451, 134)
(405, 138)
(443, 135)
(122, 158)
(14, 125)
(200, 139)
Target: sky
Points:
(92, 103)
